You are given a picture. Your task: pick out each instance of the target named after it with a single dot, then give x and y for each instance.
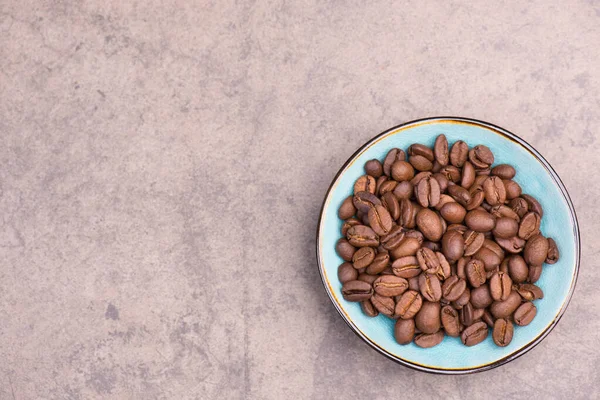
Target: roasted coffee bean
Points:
(404, 331)
(460, 194)
(379, 263)
(473, 242)
(553, 253)
(529, 291)
(504, 266)
(411, 233)
(474, 334)
(513, 189)
(379, 182)
(517, 269)
(349, 223)
(519, 206)
(364, 201)
(363, 257)
(369, 309)
(429, 224)
(440, 150)
(362, 236)
(481, 156)
(390, 285)
(462, 300)
(430, 287)
(505, 228)
(365, 183)
(393, 239)
(529, 226)
(480, 221)
(461, 267)
(380, 220)
(453, 288)
(500, 286)
(533, 204)
(347, 273)
(451, 173)
(453, 212)
(418, 149)
(435, 246)
(420, 163)
(428, 192)
(357, 291)
(535, 271)
(460, 228)
(481, 297)
(363, 276)
(402, 171)
(409, 304)
(363, 216)
(483, 171)
(442, 181)
(466, 314)
(406, 267)
(489, 259)
(427, 319)
(502, 211)
(512, 245)
(494, 191)
(503, 309)
(503, 332)
(453, 245)
(374, 168)
(385, 305)
(345, 249)
(428, 260)
(408, 214)
(386, 187)
(450, 321)
(390, 202)
(427, 340)
(475, 271)
(403, 190)
(392, 156)
(445, 270)
(459, 153)
(413, 283)
(407, 247)
(536, 250)
(477, 197)
(525, 314)
(347, 209)
(504, 171)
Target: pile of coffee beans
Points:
(445, 243)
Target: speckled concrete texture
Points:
(162, 166)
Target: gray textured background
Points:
(162, 167)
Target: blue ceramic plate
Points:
(535, 176)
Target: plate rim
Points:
(511, 136)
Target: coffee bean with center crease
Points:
(429, 224)
(459, 153)
(379, 263)
(390, 285)
(347, 273)
(529, 291)
(349, 223)
(392, 156)
(440, 150)
(387, 187)
(461, 267)
(418, 149)
(420, 163)
(365, 183)
(407, 247)
(536, 250)
(390, 202)
(533, 204)
(430, 287)
(427, 340)
(380, 220)
(481, 156)
(466, 314)
(404, 331)
(475, 272)
(480, 221)
(362, 236)
(408, 214)
(505, 228)
(503, 332)
(369, 309)
(453, 212)
(529, 226)
(500, 286)
(494, 191)
(453, 245)
(475, 334)
(393, 239)
(473, 242)
(450, 321)
(481, 297)
(428, 192)
(464, 298)
(428, 260)
(488, 318)
(477, 197)
(363, 257)
(460, 194)
(444, 271)
(553, 253)
(427, 319)
(374, 168)
(402, 171)
(503, 309)
(357, 291)
(501, 211)
(406, 267)
(451, 173)
(385, 305)
(512, 245)
(525, 314)
(519, 206)
(453, 288)
(345, 249)
(409, 304)
(364, 201)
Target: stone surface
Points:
(162, 167)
